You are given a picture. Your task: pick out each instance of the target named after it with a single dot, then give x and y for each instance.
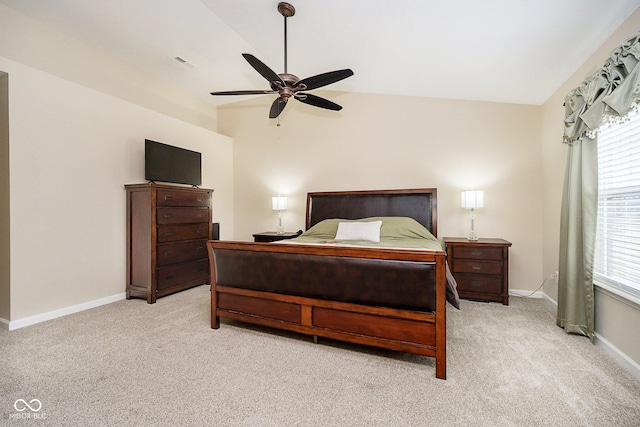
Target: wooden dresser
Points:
(167, 230)
(481, 268)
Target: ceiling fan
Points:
(287, 85)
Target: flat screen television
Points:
(167, 163)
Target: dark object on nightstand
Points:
(272, 236)
(481, 268)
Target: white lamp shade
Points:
(279, 203)
(472, 199)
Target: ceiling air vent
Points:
(184, 61)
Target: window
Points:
(617, 262)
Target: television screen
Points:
(167, 163)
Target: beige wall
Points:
(387, 142)
(77, 128)
(5, 290)
(616, 321)
(71, 151)
(31, 43)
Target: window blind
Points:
(617, 260)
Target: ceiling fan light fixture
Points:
(288, 85)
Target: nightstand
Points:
(481, 268)
(272, 236)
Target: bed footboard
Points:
(312, 290)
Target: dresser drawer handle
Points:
(476, 283)
(200, 199)
(168, 233)
(168, 197)
(199, 231)
(168, 277)
(168, 254)
(476, 267)
(200, 249)
(201, 269)
(168, 215)
(476, 253)
(200, 215)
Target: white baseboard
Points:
(618, 356)
(524, 293)
(550, 301)
(621, 358)
(32, 320)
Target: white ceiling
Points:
(492, 50)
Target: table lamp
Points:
(472, 199)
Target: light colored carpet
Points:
(130, 364)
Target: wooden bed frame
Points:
(245, 295)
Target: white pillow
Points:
(359, 231)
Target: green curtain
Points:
(577, 239)
(607, 96)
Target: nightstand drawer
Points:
(484, 284)
(477, 267)
(477, 252)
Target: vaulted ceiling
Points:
(491, 50)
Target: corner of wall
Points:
(5, 284)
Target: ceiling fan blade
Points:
(317, 101)
(244, 92)
(324, 79)
(260, 67)
(277, 107)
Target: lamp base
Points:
(280, 229)
(473, 236)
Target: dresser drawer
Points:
(178, 274)
(483, 284)
(477, 267)
(172, 253)
(182, 215)
(182, 198)
(477, 252)
(172, 233)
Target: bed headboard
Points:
(419, 204)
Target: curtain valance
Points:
(611, 93)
